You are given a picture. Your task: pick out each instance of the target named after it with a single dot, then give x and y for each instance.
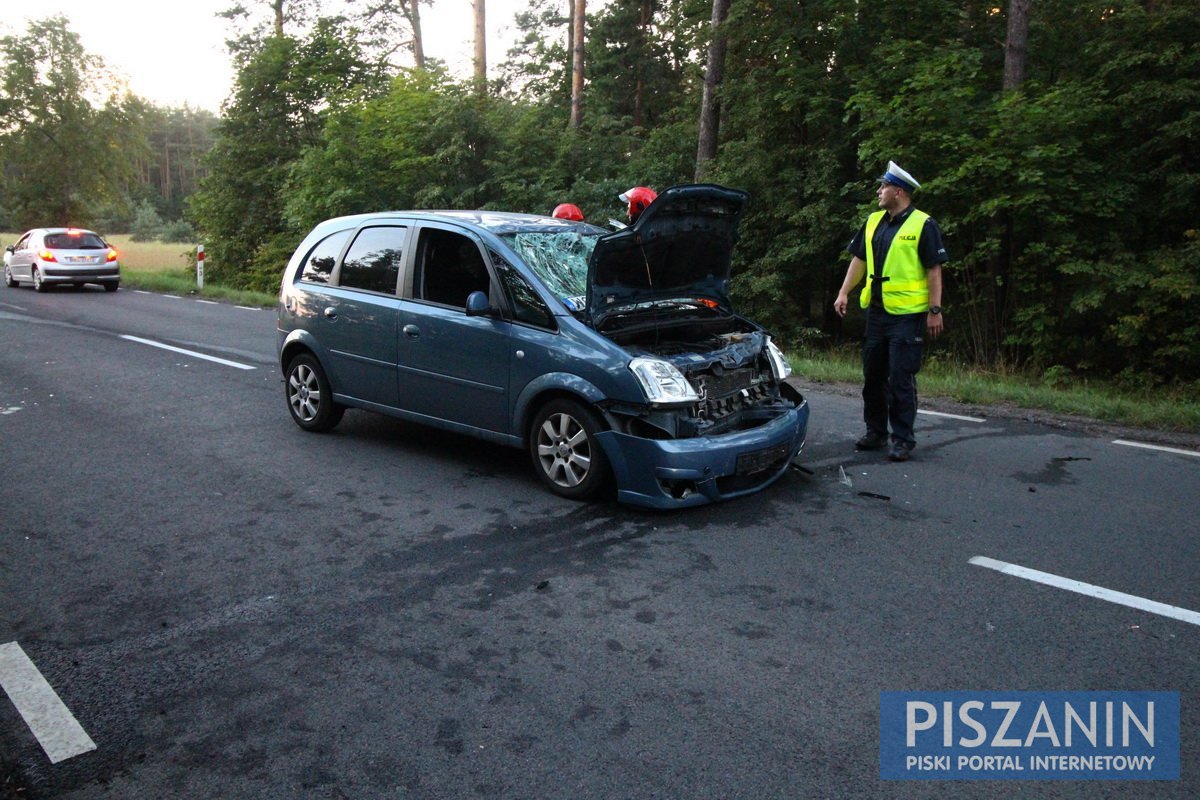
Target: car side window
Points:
(23, 243)
(318, 267)
(527, 307)
(373, 260)
(449, 267)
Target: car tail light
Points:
(112, 255)
(46, 255)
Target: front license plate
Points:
(761, 459)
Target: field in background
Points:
(154, 256)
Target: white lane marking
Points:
(56, 729)
(173, 296)
(249, 308)
(209, 302)
(1145, 446)
(10, 305)
(191, 353)
(951, 416)
(4, 412)
(1099, 592)
(141, 291)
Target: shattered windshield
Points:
(559, 259)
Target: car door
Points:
(358, 322)
(22, 258)
(452, 366)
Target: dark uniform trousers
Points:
(891, 361)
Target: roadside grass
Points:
(167, 267)
(1156, 407)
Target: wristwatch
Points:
(935, 309)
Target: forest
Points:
(1057, 143)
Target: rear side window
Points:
(450, 267)
(318, 267)
(74, 241)
(373, 261)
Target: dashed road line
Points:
(208, 302)
(1159, 447)
(950, 416)
(248, 308)
(1099, 592)
(191, 353)
(56, 729)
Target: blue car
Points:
(613, 358)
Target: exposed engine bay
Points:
(726, 361)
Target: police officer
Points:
(900, 251)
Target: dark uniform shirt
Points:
(931, 250)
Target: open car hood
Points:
(679, 248)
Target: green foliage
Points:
(177, 231)
(68, 138)
(285, 90)
(1068, 204)
(147, 224)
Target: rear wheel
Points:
(566, 456)
(38, 283)
(111, 286)
(309, 397)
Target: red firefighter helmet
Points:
(568, 211)
(638, 198)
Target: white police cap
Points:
(898, 177)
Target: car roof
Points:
(497, 222)
(60, 230)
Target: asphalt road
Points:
(230, 607)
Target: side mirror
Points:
(9, 249)
(478, 305)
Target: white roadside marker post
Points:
(200, 266)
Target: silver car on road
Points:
(48, 256)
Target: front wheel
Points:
(309, 397)
(9, 280)
(566, 456)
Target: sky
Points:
(172, 52)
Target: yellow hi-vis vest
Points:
(905, 288)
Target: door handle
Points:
(411, 331)
(331, 312)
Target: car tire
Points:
(565, 453)
(9, 280)
(38, 283)
(309, 396)
(112, 286)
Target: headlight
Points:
(780, 368)
(662, 382)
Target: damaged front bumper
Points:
(678, 473)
